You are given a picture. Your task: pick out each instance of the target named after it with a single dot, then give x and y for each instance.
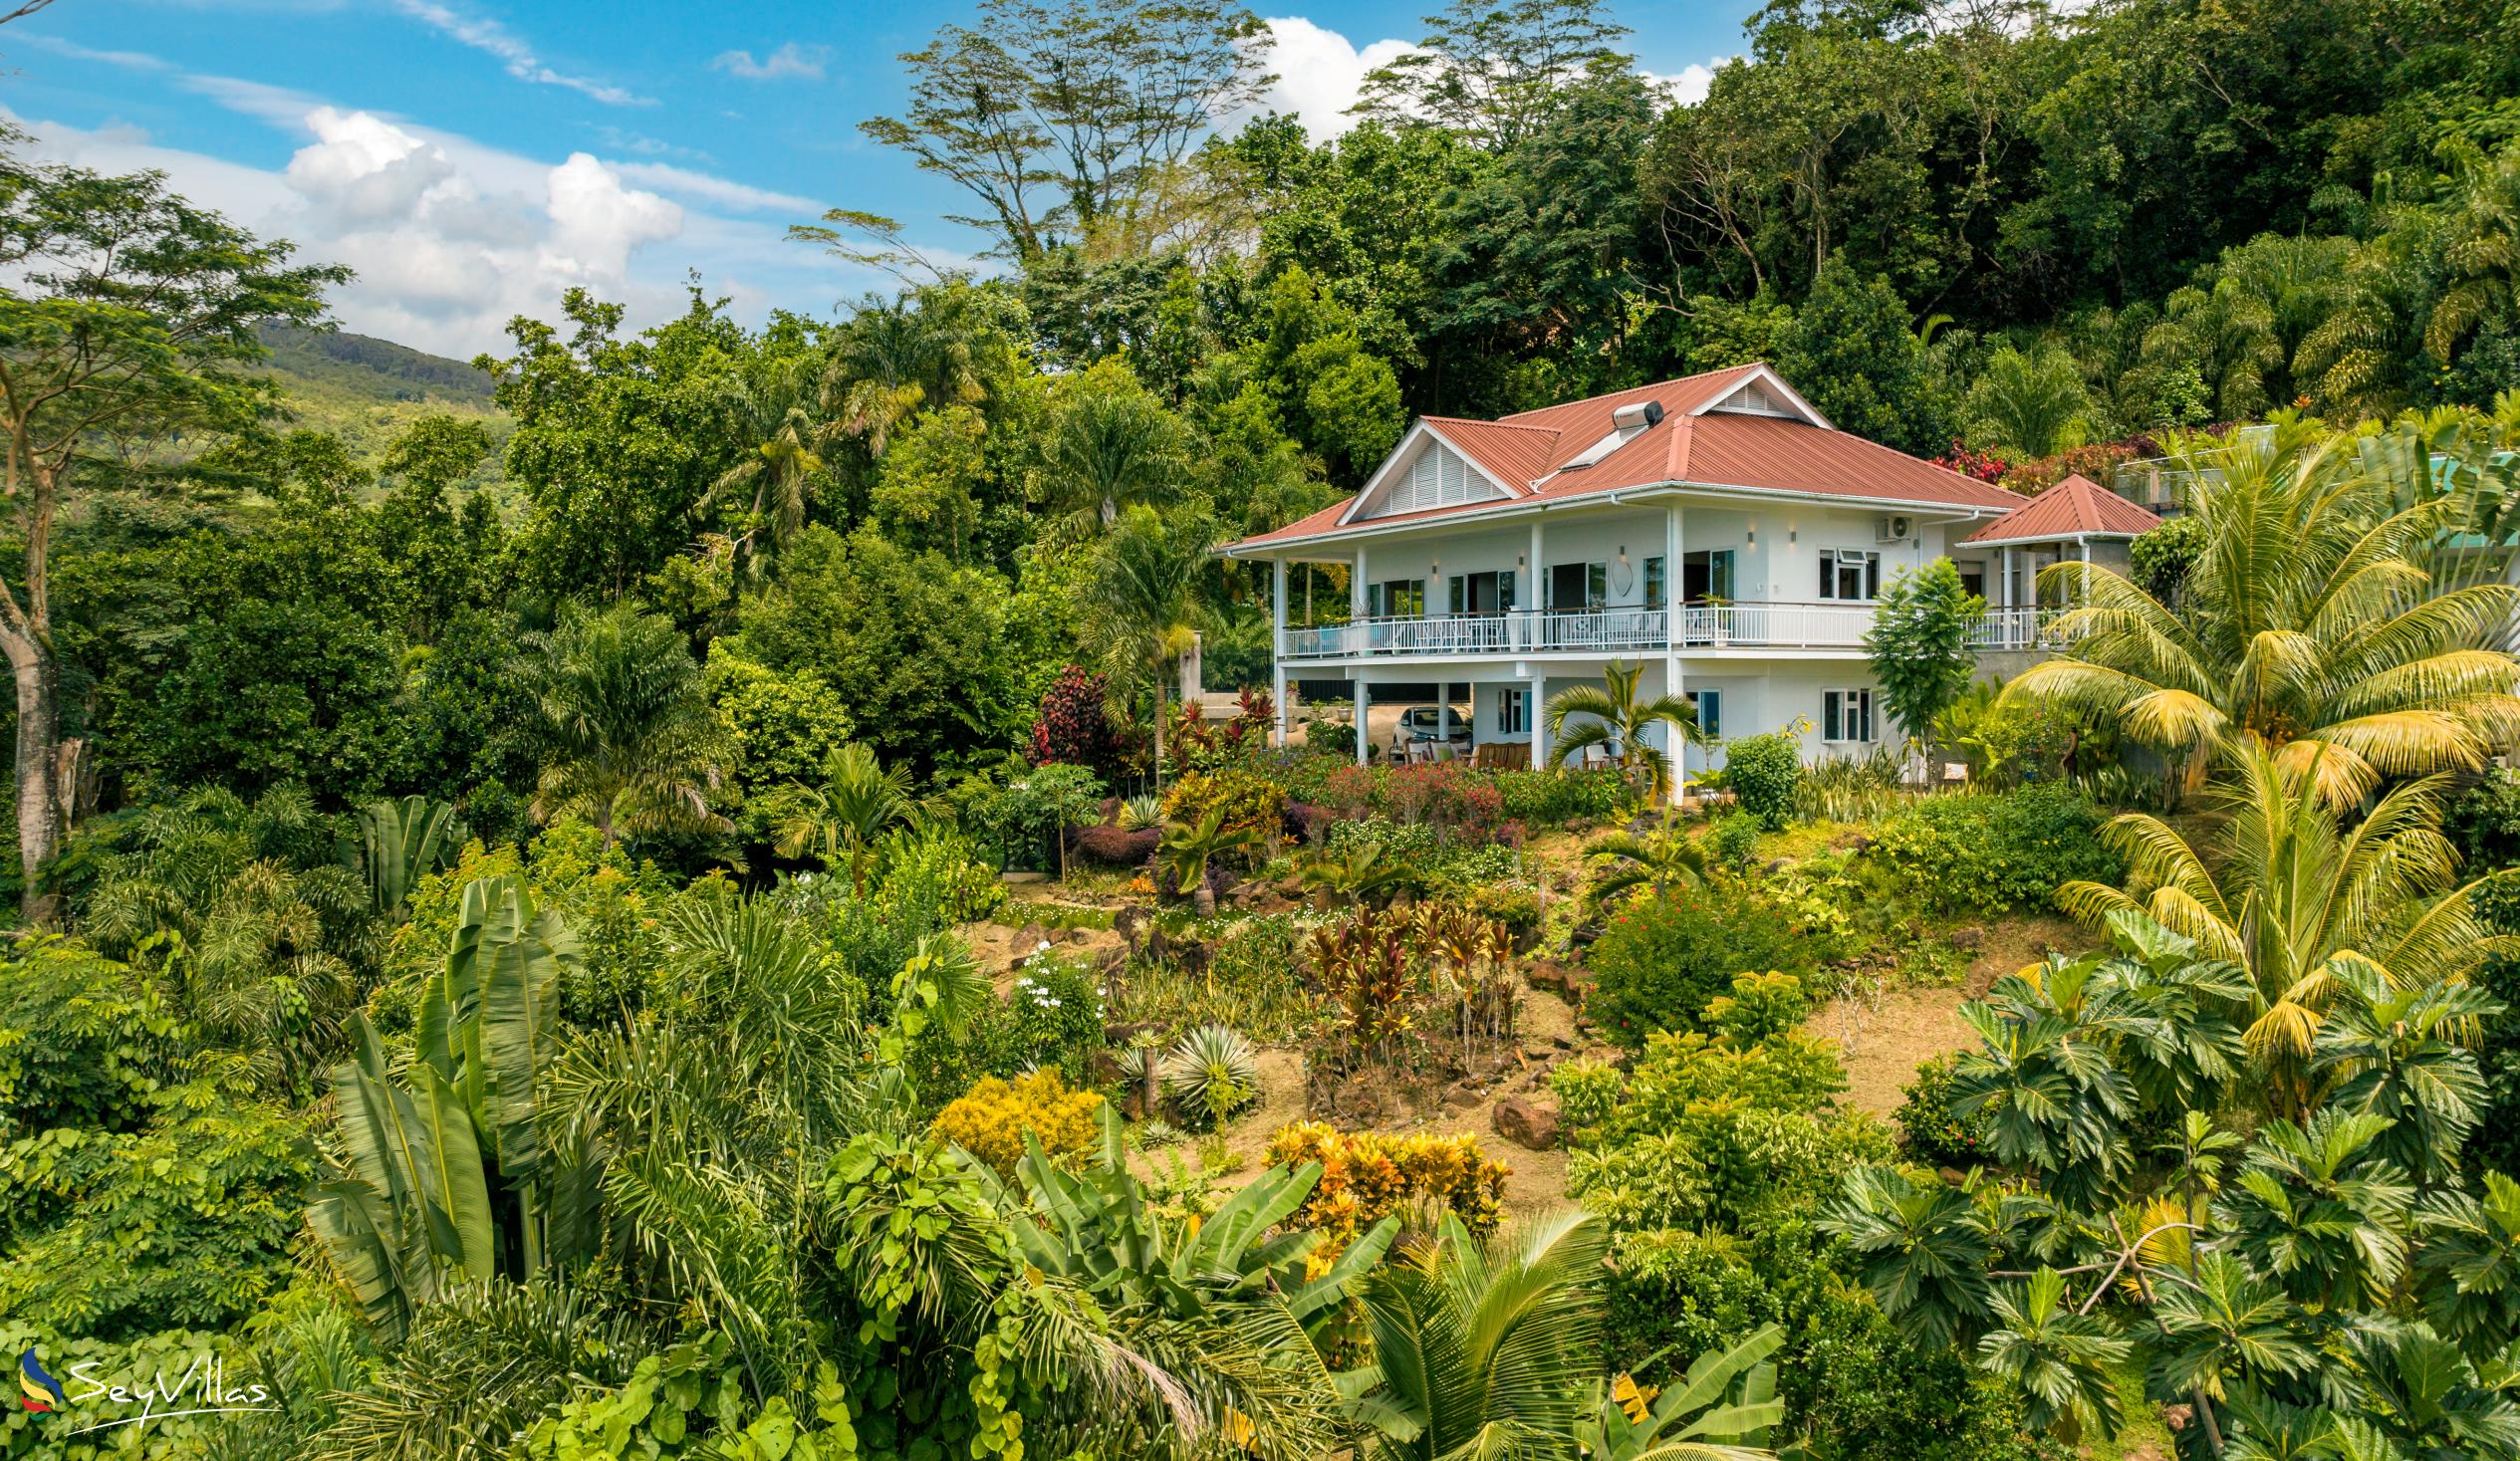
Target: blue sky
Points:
(471, 158)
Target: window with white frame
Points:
(1513, 712)
(1846, 716)
(1396, 599)
(1710, 705)
(1847, 573)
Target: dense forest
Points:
(651, 897)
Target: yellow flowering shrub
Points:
(1366, 1176)
(989, 1121)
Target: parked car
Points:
(1425, 723)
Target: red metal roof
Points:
(2077, 507)
(1530, 453)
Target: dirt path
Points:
(1883, 1035)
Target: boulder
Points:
(1028, 940)
(1527, 1124)
(1968, 940)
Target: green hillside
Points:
(365, 390)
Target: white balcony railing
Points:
(1700, 626)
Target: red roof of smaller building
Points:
(2077, 507)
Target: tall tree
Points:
(1918, 645)
(1495, 73)
(128, 315)
(1144, 606)
(631, 743)
(1066, 119)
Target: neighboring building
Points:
(1716, 529)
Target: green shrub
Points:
(1400, 842)
(1551, 798)
(1927, 1126)
(1250, 801)
(1854, 1388)
(1517, 905)
(1055, 1008)
(1764, 772)
(2484, 822)
(1587, 1091)
(1993, 854)
(82, 1041)
(1023, 821)
(1660, 960)
(1734, 840)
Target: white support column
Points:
(1277, 641)
(1355, 587)
(1672, 543)
(1537, 602)
(1363, 744)
(1539, 716)
(1444, 712)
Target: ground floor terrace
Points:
(1493, 712)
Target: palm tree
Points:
(2030, 406)
(1666, 859)
(1361, 872)
(1618, 719)
(2482, 250)
(2245, 318)
(892, 357)
(1188, 848)
(1144, 608)
(2308, 623)
(1485, 1349)
(842, 817)
(631, 742)
(1113, 445)
(769, 408)
(2301, 902)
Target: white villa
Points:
(1716, 528)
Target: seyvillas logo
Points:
(201, 1390)
(37, 1390)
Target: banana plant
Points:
(1099, 1231)
(1720, 1410)
(452, 1175)
(399, 843)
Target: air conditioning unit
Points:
(1893, 529)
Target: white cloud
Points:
(1319, 72)
(790, 62)
(486, 35)
(743, 196)
(1688, 86)
(452, 238)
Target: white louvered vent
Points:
(1436, 478)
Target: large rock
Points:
(1526, 1124)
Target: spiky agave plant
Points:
(1211, 1072)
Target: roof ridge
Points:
(1507, 424)
(1508, 418)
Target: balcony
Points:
(1701, 627)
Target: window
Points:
(1708, 706)
(1711, 712)
(1488, 593)
(1706, 577)
(1973, 578)
(1578, 585)
(1513, 713)
(1653, 583)
(1396, 599)
(1846, 572)
(1846, 716)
